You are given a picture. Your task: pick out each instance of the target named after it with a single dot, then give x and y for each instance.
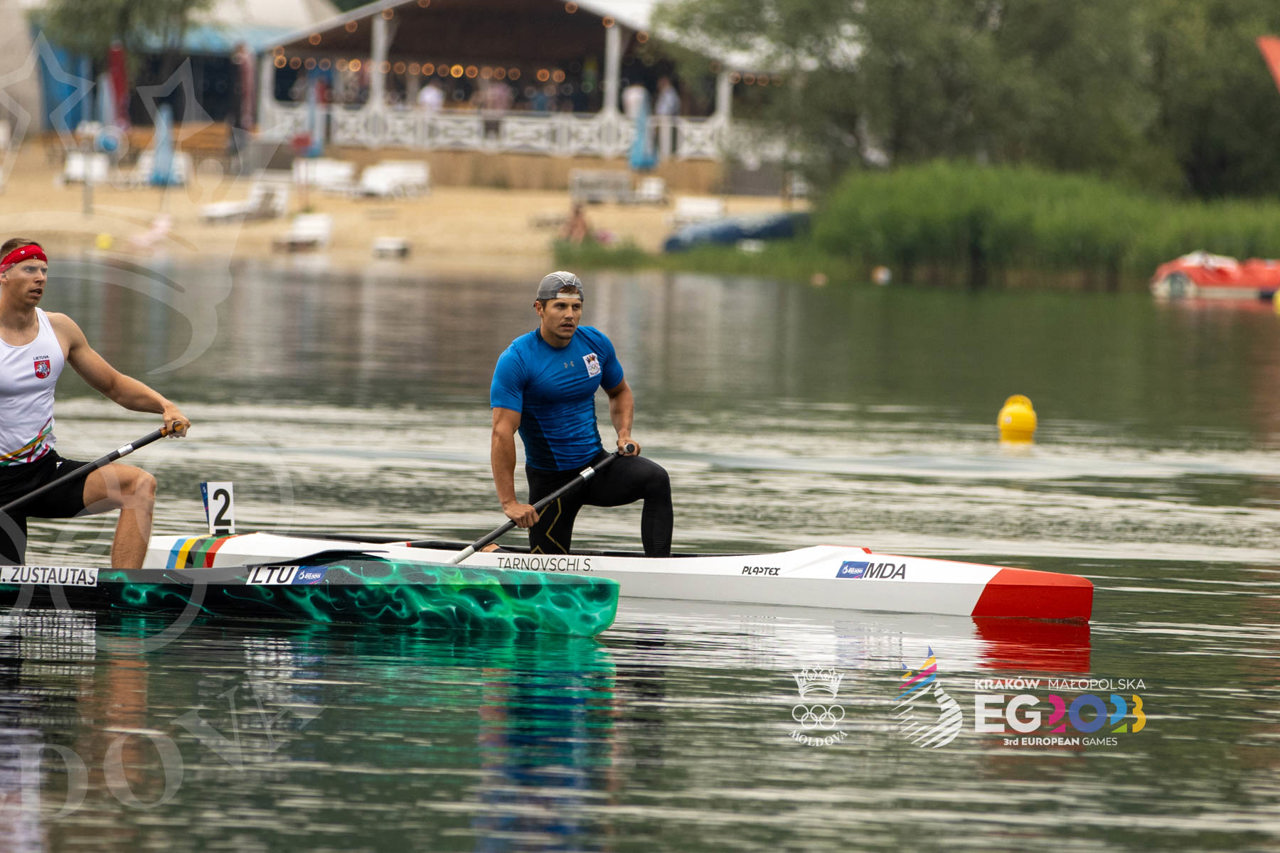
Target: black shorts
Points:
(65, 501)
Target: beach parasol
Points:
(162, 170)
(642, 158)
(119, 85)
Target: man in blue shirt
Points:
(544, 387)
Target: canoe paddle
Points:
(87, 469)
(583, 475)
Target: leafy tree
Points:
(1169, 94)
(89, 27)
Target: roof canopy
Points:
(552, 32)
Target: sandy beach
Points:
(461, 228)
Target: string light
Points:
(314, 38)
(352, 26)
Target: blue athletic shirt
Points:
(554, 391)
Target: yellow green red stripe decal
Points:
(195, 553)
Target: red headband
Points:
(22, 253)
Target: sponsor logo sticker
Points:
(858, 569)
(310, 574)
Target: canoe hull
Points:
(828, 576)
(411, 594)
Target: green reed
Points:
(955, 224)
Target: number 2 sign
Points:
(219, 508)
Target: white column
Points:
(612, 68)
(266, 92)
(377, 79)
(724, 97)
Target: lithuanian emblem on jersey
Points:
(593, 363)
(43, 368)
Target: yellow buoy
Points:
(1017, 420)
(1275, 301)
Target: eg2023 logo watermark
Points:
(1022, 711)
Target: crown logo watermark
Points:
(818, 680)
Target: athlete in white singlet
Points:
(34, 347)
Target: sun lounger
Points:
(650, 190)
(394, 178)
(592, 186)
(308, 231)
(81, 166)
(325, 174)
(695, 208)
(267, 200)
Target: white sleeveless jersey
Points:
(27, 376)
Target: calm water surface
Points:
(786, 416)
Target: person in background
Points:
(668, 101)
(634, 97)
(431, 98)
(576, 229)
(544, 387)
(34, 347)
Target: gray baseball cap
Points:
(560, 282)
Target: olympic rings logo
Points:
(817, 716)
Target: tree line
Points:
(1164, 95)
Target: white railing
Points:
(553, 134)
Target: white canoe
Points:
(831, 576)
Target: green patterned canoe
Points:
(362, 590)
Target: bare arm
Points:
(111, 383)
(502, 459)
(622, 411)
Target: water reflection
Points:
(95, 732)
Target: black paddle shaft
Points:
(85, 470)
(583, 475)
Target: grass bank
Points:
(962, 225)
